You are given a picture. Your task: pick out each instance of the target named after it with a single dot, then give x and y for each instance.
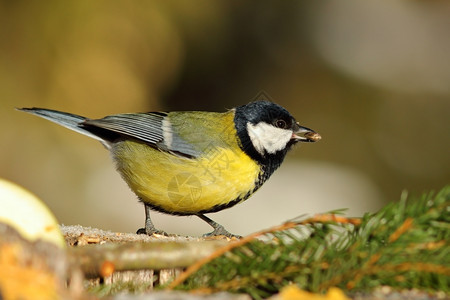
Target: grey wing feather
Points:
(146, 127)
(179, 146)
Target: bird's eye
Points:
(281, 123)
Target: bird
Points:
(192, 162)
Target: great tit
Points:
(193, 162)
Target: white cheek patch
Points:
(268, 138)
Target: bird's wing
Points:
(153, 128)
(146, 127)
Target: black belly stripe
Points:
(215, 208)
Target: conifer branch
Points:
(405, 245)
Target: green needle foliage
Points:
(405, 245)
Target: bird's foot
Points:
(151, 232)
(221, 231)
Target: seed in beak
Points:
(313, 136)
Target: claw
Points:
(152, 232)
(221, 231)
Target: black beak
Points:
(304, 134)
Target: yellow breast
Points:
(185, 186)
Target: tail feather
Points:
(67, 120)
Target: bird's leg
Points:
(218, 229)
(149, 227)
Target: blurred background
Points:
(372, 77)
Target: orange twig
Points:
(402, 229)
(335, 219)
